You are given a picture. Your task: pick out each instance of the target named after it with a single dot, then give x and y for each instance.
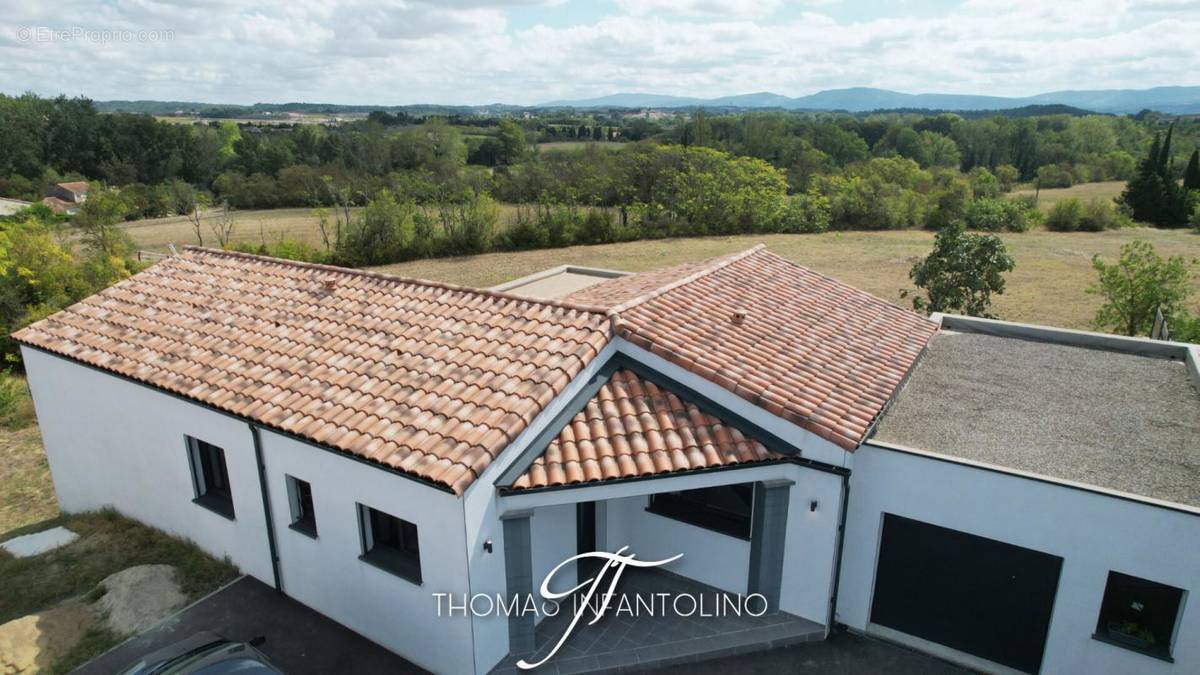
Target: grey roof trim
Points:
(1029, 475)
(561, 269)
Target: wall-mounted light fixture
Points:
(487, 545)
(812, 506)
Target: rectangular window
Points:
(210, 477)
(390, 543)
(1138, 614)
(304, 519)
(725, 508)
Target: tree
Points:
(513, 146)
(961, 273)
(1191, 175)
(1152, 195)
(1136, 285)
(98, 218)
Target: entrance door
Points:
(585, 539)
(979, 596)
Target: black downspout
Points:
(262, 486)
(837, 569)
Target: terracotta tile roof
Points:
(801, 345)
(79, 187)
(634, 428)
(621, 289)
(429, 379)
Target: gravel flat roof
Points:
(1113, 420)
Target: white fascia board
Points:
(811, 445)
(1030, 475)
(515, 449)
(617, 489)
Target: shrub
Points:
(961, 273)
(807, 212)
(1139, 283)
(382, 233)
(16, 407)
(1065, 216)
(1054, 176)
(597, 228)
(998, 215)
(1098, 215)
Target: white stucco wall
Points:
(1093, 533)
(326, 574)
(712, 558)
(113, 443)
(553, 533)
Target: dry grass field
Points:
(1048, 285)
(1084, 192)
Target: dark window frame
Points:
(210, 477)
(696, 507)
(390, 543)
(300, 503)
(1125, 598)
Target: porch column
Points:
(768, 538)
(518, 577)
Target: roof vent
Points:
(738, 318)
(330, 285)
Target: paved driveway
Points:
(299, 640)
(842, 654)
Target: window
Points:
(390, 543)
(725, 509)
(304, 519)
(210, 477)
(1139, 614)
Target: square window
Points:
(724, 508)
(304, 519)
(210, 477)
(390, 543)
(1138, 614)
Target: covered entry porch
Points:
(755, 544)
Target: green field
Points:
(1048, 197)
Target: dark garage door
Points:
(976, 595)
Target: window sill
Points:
(693, 523)
(307, 529)
(221, 507)
(1154, 653)
(388, 562)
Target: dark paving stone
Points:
(299, 640)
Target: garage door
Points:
(979, 596)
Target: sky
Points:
(400, 52)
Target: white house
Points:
(1012, 497)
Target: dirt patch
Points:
(35, 642)
(137, 598)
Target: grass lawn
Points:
(65, 579)
(1048, 285)
(1084, 192)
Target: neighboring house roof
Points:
(810, 349)
(436, 380)
(633, 428)
(59, 205)
(1120, 421)
(79, 187)
(429, 379)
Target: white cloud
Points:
(472, 51)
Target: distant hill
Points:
(1175, 100)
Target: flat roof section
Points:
(558, 282)
(1114, 420)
